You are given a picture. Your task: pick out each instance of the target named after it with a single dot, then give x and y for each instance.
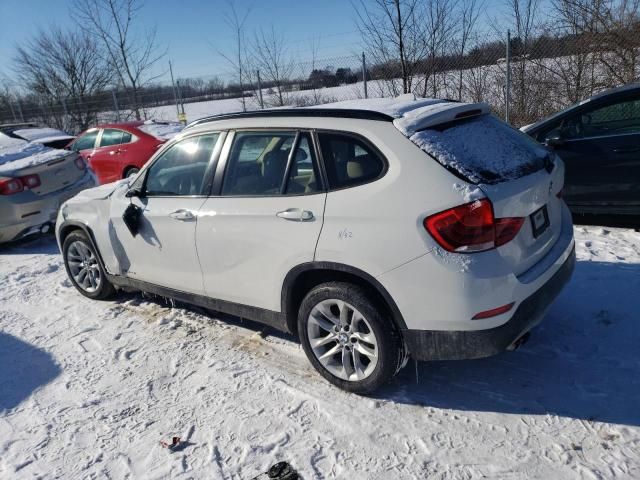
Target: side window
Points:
(85, 142)
(257, 163)
(349, 161)
(614, 119)
(112, 136)
(180, 170)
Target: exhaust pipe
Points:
(519, 342)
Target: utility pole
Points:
(115, 104)
(260, 90)
(182, 117)
(175, 94)
(364, 75)
(507, 99)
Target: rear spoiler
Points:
(432, 115)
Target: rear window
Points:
(482, 149)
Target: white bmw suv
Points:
(375, 230)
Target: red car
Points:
(119, 150)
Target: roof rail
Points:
(300, 112)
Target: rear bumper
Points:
(21, 216)
(467, 344)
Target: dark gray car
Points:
(599, 141)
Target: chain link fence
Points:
(522, 80)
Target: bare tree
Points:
(439, 28)
(391, 29)
(620, 39)
(529, 92)
(469, 12)
(57, 66)
(132, 54)
(237, 59)
(271, 58)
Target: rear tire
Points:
(83, 267)
(348, 337)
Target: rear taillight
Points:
(31, 181)
(471, 228)
(80, 163)
(494, 312)
(9, 186)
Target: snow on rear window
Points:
(483, 149)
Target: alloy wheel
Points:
(83, 266)
(342, 340)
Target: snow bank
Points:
(484, 150)
(162, 131)
(16, 154)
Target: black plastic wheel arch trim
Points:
(294, 273)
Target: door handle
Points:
(114, 152)
(629, 149)
(296, 215)
(183, 215)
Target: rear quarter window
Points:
(349, 161)
(482, 149)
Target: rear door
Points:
(600, 146)
(85, 144)
(263, 218)
(107, 159)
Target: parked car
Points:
(31, 132)
(118, 150)
(599, 142)
(375, 230)
(34, 181)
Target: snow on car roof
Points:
(42, 135)
(16, 154)
(412, 114)
(161, 130)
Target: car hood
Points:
(99, 193)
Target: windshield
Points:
(482, 149)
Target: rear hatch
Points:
(520, 177)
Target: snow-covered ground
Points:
(88, 389)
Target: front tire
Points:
(130, 172)
(84, 268)
(348, 338)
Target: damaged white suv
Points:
(374, 230)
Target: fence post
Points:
(260, 90)
(364, 75)
(175, 93)
(20, 110)
(507, 100)
(65, 119)
(115, 104)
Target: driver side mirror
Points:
(555, 139)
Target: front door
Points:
(265, 218)
(172, 191)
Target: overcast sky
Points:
(192, 30)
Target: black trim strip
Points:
(300, 112)
(269, 317)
